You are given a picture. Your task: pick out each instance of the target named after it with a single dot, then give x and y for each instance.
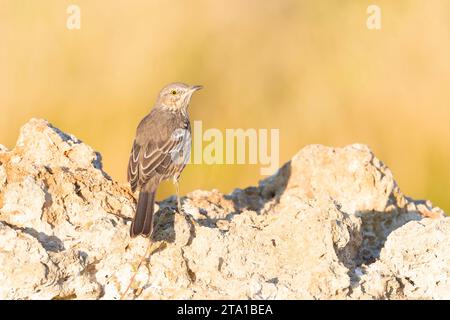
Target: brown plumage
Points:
(160, 151)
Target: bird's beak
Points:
(188, 94)
(196, 88)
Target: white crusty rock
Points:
(414, 263)
(331, 223)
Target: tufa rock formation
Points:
(331, 224)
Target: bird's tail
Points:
(143, 219)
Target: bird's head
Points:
(176, 96)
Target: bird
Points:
(160, 151)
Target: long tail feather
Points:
(143, 220)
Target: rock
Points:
(415, 262)
(27, 270)
(43, 145)
(23, 203)
(331, 223)
(2, 177)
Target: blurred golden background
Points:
(310, 68)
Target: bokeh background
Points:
(310, 68)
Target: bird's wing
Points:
(178, 159)
(133, 166)
(158, 159)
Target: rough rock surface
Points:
(331, 223)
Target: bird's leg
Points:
(177, 187)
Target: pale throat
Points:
(175, 109)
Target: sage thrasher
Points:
(160, 151)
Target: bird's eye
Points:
(173, 92)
